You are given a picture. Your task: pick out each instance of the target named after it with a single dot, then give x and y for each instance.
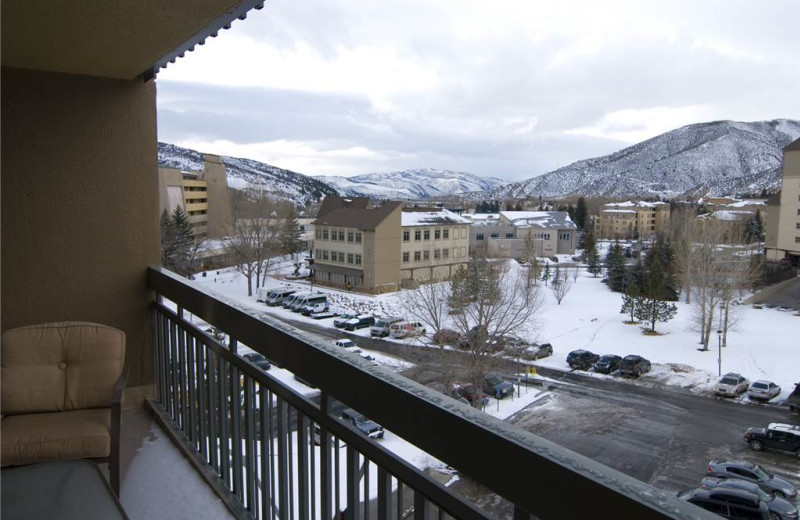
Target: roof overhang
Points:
(111, 39)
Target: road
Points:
(658, 434)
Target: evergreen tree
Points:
(177, 241)
(615, 267)
(594, 265)
(753, 230)
(664, 253)
(651, 305)
(629, 302)
(291, 244)
(581, 214)
(546, 273)
(571, 213)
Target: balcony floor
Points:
(157, 480)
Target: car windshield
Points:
(256, 357)
(494, 380)
(761, 474)
(607, 359)
(728, 381)
(381, 323)
(761, 386)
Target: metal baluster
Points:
(302, 465)
(225, 461)
(283, 461)
(273, 428)
(159, 356)
(266, 451)
(366, 488)
(236, 430)
(250, 442)
(336, 475)
(384, 494)
(213, 411)
(313, 464)
(190, 383)
(400, 486)
(421, 507)
(352, 484)
(182, 382)
(202, 388)
(326, 466)
(290, 450)
(174, 361)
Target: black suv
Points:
(776, 436)
(607, 364)
(581, 359)
(728, 503)
(634, 366)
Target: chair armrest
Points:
(119, 386)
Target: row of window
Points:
(338, 256)
(481, 236)
(338, 235)
(438, 234)
(438, 254)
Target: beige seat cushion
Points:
(60, 366)
(37, 437)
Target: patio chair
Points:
(62, 389)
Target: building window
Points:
(563, 236)
(324, 254)
(406, 236)
(446, 234)
(437, 254)
(341, 236)
(324, 234)
(349, 258)
(416, 256)
(358, 259)
(318, 234)
(437, 234)
(333, 235)
(426, 255)
(494, 235)
(797, 225)
(509, 235)
(358, 237)
(405, 256)
(479, 236)
(341, 257)
(427, 234)
(349, 236)
(445, 253)
(797, 240)
(417, 236)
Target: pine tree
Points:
(629, 306)
(581, 214)
(177, 241)
(652, 306)
(291, 242)
(546, 273)
(615, 267)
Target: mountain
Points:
(416, 184)
(244, 173)
(718, 158)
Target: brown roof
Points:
(794, 146)
(332, 203)
(355, 214)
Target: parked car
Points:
(539, 351)
(743, 470)
(776, 436)
(276, 297)
(735, 504)
(793, 401)
(446, 337)
(359, 322)
(382, 326)
(731, 385)
(496, 386)
(763, 390)
(581, 359)
(406, 329)
(634, 366)
(608, 364)
(314, 305)
(324, 314)
(258, 360)
(345, 343)
(779, 508)
(342, 319)
(468, 392)
(369, 428)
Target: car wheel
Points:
(774, 516)
(756, 445)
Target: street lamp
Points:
(719, 348)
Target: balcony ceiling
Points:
(110, 38)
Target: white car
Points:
(731, 385)
(348, 345)
(763, 390)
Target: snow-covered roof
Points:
(745, 203)
(475, 217)
(631, 204)
(442, 217)
(728, 215)
(540, 219)
(633, 211)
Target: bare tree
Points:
(254, 240)
(679, 235)
(562, 283)
(493, 301)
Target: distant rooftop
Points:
(540, 219)
(631, 204)
(426, 217)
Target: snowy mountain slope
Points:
(721, 157)
(411, 184)
(243, 173)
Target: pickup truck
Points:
(369, 428)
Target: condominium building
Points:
(435, 244)
(521, 234)
(783, 222)
(203, 195)
(629, 220)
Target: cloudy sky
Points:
(510, 89)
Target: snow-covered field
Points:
(763, 344)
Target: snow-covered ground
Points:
(763, 344)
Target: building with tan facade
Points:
(631, 220)
(783, 221)
(380, 248)
(204, 196)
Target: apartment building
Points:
(520, 234)
(630, 220)
(203, 195)
(435, 244)
(783, 222)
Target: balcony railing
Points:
(272, 453)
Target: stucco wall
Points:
(79, 204)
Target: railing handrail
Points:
(541, 477)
